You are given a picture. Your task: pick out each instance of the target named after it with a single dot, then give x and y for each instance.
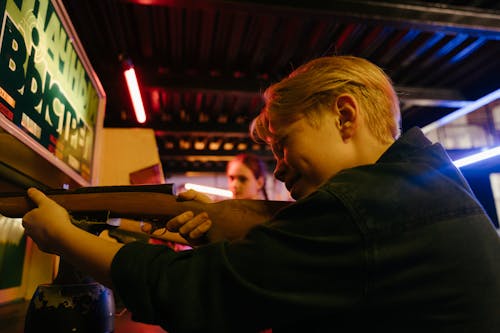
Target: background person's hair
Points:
(256, 165)
(317, 84)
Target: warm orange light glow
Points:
(209, 190)
(135, 95)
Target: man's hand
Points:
(191, 227)
(50, 227)
(193, 195)
(48, 223)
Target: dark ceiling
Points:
(202, 64)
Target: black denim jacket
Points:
(398, 246)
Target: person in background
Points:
(246, 177)
(385, 234)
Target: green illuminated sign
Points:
(44, 88)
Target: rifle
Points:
(97, 208)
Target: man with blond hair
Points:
(385, 234)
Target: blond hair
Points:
(318, 83)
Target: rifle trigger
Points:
(93, 222)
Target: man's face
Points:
(307, 155)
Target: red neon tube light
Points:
(135, 94)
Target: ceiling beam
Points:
(427, 16)
(409, 96)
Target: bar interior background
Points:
(200, 68)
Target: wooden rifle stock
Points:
(155, 204)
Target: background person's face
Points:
(242, 182)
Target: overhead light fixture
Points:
(477, 157)
(133, 89)
(463, 111)
(474, 158)
(209, 190)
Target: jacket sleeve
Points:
(275, 274)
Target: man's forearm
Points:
(89, 253)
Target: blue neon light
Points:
(463, 111)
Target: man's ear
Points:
(348, 110)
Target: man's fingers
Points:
(200, 197)
(187, 229)
(187, 195)
(36, 195)
(201, 230)
(178, 221)
(194, 195)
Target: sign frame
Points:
(88, 177)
